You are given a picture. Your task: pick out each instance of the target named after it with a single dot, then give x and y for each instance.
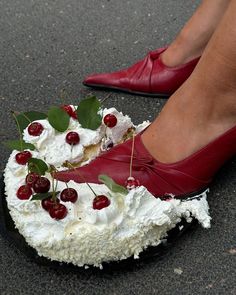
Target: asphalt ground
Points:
(47, 46)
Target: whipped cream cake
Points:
(88, 231)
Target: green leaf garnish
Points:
(58, 118)
(43, 196)
(87, 113)
(112, 185)
(37, 165)
(24, 119)
(19, 145)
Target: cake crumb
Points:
(232, 251)
(178, 271)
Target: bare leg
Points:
(205, 106)
(193, 38)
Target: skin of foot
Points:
(204, 107)
(193, 38)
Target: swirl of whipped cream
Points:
(44, 138)
(59, 151)
(123, 124)
(105, 216)
(19, 170)
(84, 206)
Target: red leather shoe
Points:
(183, 179)
(148, 77)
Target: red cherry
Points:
(131, 183)
(100, 202)
(23, 157)
(31, 178)
(35, 129)
(72, 137)
(41, 185)
(58, 211)
(69, 195)
(69, 111)
(110, 120)
(24, 192)
(48, 203)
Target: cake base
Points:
(10, 233)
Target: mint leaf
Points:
(43, 196)
(87, 113)
(24, 119)
(37, 165)
(18, 145)
(112, 185)
(58, 118)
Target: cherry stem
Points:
(26, 117)
(35, 165)
(53, 188)
(69, 164)
(63, 96)
(105, 98)
(68, 188)
(89, 186)
(19, 130)
(131, 158)
(105, 131)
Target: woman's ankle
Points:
(195, 35)
(182, 50)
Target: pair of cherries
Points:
(34, 182)
(73, 138)
(55, 208)
(110, 120)
(34, 129)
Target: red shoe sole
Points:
(107, 88)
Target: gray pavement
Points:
(50, 45)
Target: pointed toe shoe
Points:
(148, 77)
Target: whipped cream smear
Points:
(86, 236)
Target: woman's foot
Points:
(130, 164)
(161, 73)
